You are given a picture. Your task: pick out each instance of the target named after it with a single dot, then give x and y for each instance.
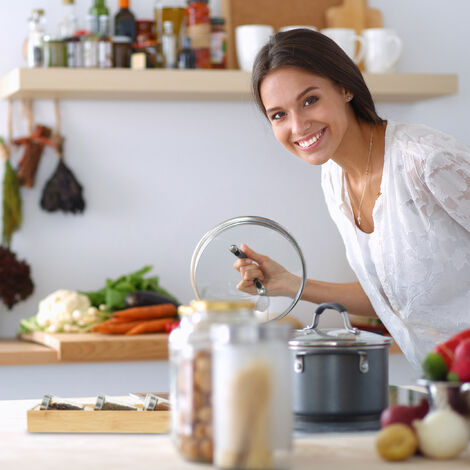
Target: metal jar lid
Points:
(313, 338)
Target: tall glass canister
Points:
(252, 393)
(191, 373)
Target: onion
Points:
(442, 434)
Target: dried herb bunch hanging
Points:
(15, 280)
(62, 191)
(12, 213)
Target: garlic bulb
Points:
(442, 434)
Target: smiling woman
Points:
(399, 194)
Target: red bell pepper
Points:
(447, 349)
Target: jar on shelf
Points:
(122, 50)
(191, 373)
(199, 30)
(55, 52)
(218, 43)
(252, 396)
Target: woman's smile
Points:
(311, 141)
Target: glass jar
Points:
(218, 43)
(252, 396)
(199, 30)
(55, 52)
(191, 373)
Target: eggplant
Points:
(140, 298)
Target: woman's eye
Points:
(277, 115)
(310, 100)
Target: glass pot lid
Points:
(214, 277)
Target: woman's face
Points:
(309, 114)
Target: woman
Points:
(399, 195)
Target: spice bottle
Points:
(199, 30)
(122, 50)
(218, 43)
(105, 45)
(35, 44)
(252, 404)
(186, 56)
(169, 45)
(191, 373)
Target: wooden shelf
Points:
(191, 85)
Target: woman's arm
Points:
(350, 294)
(280, 282)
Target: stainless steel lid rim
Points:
(302, 350)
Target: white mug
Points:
(347, 39)
(249, 39)
(383, 49)
(290, 28)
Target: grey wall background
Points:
(158, 175)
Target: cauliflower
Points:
(65, 310)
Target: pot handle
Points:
(334, 306)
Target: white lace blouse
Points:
(421, 241)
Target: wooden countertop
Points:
(149, 451)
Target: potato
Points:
(396, 442)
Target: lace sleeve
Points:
(447, 175)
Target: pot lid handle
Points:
(334, 306)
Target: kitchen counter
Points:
(20, 449)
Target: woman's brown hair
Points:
(315, 53)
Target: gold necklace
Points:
(366, 176)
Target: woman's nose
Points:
(300, 124)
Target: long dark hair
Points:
(315, 53)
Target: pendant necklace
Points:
(366, 177)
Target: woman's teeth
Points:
(306, 143)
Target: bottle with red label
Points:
(199, 31)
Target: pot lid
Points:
(348, 337)
(213, 276)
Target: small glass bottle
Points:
(191, 373)
(199, 30)
(218, 43)
(35, 44)
(105, 45)
(252, 396)
(122, 50)
(124, 22)
(98, 9)
(186, 56)
(68, 25)
(169, 45)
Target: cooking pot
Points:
(339, 374)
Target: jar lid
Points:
(220, 306)
(312, 337)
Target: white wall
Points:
(158, 175)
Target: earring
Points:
(349, 98)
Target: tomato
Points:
(462, 369)
(171, 325)
(462, 351)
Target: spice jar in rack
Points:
(191, 373)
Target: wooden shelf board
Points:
(191, 85)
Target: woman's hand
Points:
(275, 278)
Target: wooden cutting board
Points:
(96, 346)
(353, 14)
(276, 13)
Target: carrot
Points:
(109, 327)
(149, 326)
(147, 312)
